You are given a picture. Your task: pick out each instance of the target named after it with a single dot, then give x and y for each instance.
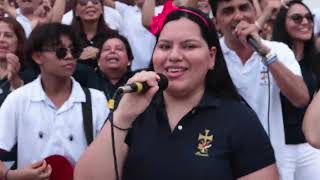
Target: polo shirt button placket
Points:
(70, 137)
(40, 134)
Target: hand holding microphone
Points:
(145, 84)
(141, 87)
(248, 35)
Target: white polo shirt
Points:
(316, 13)
(24, 21)
(251, 82)
(140, 39)
(111, 17)
(29, 117)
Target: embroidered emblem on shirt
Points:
(264, 76)
(204, 143)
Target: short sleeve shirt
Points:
(218, 139)
(252, 82)
(29, 118)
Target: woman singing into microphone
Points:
(197, 128)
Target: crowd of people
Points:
(242, 100)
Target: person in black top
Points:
(89, 24)
(114, 62)
(198, 128)
(294, 27)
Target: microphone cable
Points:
(112, 105)
(269, 102)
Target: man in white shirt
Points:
(45, 116)
(24, 14)
(140, 39)
(260, 78)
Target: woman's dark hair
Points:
(19, 32)
(218, 81)
(47, 36)
(77, 25)
(281, 34)
(121, 38)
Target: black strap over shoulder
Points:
(87, 116)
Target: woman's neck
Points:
(90, 28)
(179, 106)
(298, 49)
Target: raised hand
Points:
(133, 104)
(7, 7)
(13, 68)
(89, 52)
(43, 14)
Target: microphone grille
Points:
(163, 82)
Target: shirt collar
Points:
(224, 47)
(226, 50)
(137, 9)
(38, 94)
(207, 101)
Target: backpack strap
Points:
(87, 116)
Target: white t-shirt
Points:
(24, 21)
(251, 81)
(140, 39)
(28, 117)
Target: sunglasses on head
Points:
(298, 18)
(62, 52)
(85, 2)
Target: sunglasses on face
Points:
(62, 52)
(298, 18)
(85, 2)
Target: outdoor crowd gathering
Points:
(159, 90)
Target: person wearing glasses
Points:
(294, 27)
(44, 117)
(260, 77)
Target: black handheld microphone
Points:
(141, 87)
(254, 44)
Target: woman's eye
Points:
(164, 46)
(190, 46)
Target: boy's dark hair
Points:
(47, 36)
